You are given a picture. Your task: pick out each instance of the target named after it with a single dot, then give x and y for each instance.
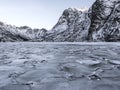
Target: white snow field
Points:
(59, 66)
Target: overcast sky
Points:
(37, 13)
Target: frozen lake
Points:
(59, 66)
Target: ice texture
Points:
(59, 66)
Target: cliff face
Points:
(105, 21)
(100, 23)
(72, 26)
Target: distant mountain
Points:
(100, 23)
(24, 33)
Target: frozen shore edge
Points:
(80, 43)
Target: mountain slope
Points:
(72, 26)
(100, 23)
(13, 33)
(105, 21)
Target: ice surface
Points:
(59, 66)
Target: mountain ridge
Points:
(100, 23)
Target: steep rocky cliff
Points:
(105, 21)
(72, 26)
(100, 23)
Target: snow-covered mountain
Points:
(100, 23)
(24, 33)
(105, 21)
(72, 26)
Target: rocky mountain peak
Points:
(70, 26)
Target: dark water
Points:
(60, 66)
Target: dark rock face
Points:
(105, 21)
